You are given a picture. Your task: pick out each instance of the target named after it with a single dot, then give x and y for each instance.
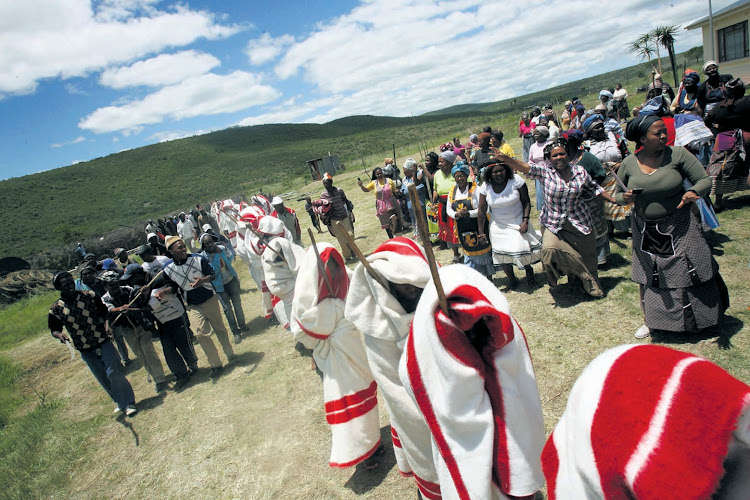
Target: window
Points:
(733, 42)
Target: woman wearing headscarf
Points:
(686, 100)
(525, 127)
(385, 200)
(505, 198)
(536, 157)
(681, 289)
(569, 243)
(463, 204)
(730, 121)
(604, 146)
(578, 155)
(444, 182)
(713, 90)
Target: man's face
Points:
(182, 217)
(113, 287)
(208, 244)
(328, 184)
(179, 250)
(147, 257)
(88, 276)
(123, 256)
(279, 208)
(66, 284)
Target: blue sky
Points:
(82, 79)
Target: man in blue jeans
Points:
(83, 315)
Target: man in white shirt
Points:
(152, 264)
(186, 231)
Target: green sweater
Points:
(663, 189)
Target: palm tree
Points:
(665, 36)
(642, 48)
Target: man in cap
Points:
(288, 217)
(152, 264)
(340, 211)
(122, 258)
(186, 231)
(157, 247)
(191, 275)
(131, 323)
(220, 239)
(84, 315)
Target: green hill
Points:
(89, 199)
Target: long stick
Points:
(321, 267)
(148, 285)
(360, 255)
(617, 178)
(425, 234)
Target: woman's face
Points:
(498, 175)
(461, 179)
(494, 142)
(444, 165)
(655, 139)
(539, 137)
(597, 131)
(559, 158)
(378, 174)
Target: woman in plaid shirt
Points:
(569, 244)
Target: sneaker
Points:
(117, 410)
(216, 371)
(642, 332)
(160, 386)
(237, 338)
(130, 410)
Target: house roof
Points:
(721, 12)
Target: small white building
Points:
(728, 41)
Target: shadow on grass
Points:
(716, 241)
(736, 202)
(571, 294)
(364, 480)
(257, 325)
(615, 261)
(721, 334)
(248, 359)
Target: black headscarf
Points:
(638, 126)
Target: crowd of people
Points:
(387, 324)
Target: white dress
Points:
(509, 245)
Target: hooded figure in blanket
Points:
(349, 389)
(281, 262)
(647, 421)
(470, 373)
(384, 316)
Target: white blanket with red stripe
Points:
(281, 261)
(385, 326)
(647, 421)
(349, 389)
(471, 375)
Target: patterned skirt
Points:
(446, 225)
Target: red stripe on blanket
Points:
(264, 287)
(551, 466)
(275, 300)
(423, 401)
(352, 412)
(406, 474)
(339, 279)
(429, 490)
(402, 246)
(317, 336)
(394, 438)
(351, 399)
(356, 460)
(231, 234)
(501, 459)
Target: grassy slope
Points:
(89, 199)
(259, 431)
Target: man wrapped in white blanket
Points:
(470, 374)
(349, 389)
(281, 260)
(384, 320)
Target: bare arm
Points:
(523, 192)
(516, 165)
(482, 214)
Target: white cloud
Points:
(266, 48)
(77, 140)
(433, 55)
(66, 38)
(203, 95)
(165, 69)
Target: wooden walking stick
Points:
(148, 285)
(361, 256)
(321, 267)
(425, 235)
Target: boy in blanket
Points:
(646, 421)
(470, 374)
(281, 260)
(384, 316)
(349, 390)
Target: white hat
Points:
(206, 227)
(277, 200)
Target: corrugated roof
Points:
(720, 12)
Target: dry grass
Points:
(259, 431)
